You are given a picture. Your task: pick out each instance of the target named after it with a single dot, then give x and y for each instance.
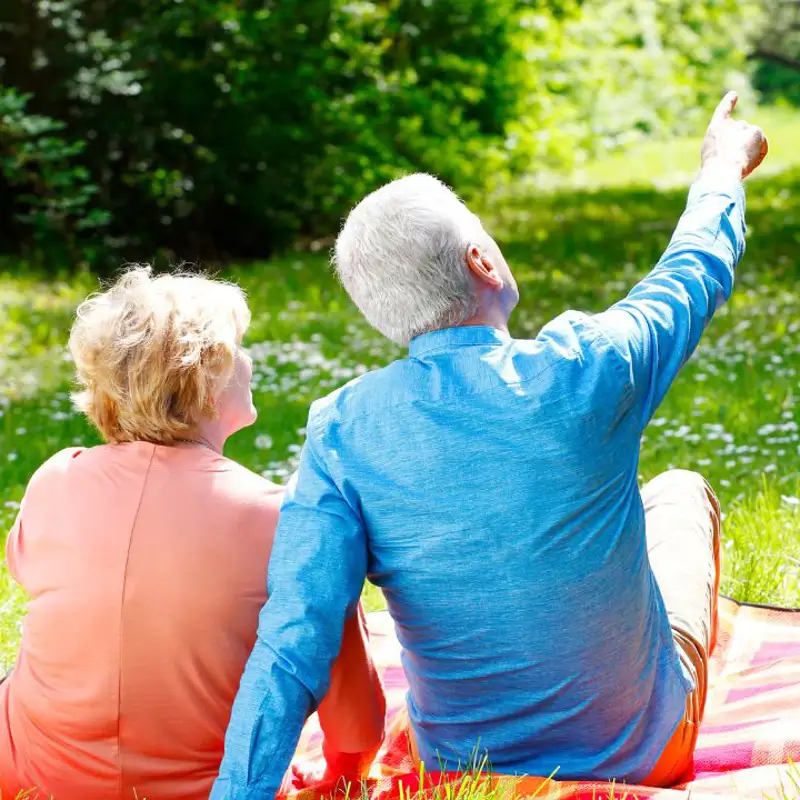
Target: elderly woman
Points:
(145, 560)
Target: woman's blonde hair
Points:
(153, 351)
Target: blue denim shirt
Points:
(488, 485)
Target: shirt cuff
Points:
(715, 181)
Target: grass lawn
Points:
(733, 414)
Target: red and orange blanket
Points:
(748, 745)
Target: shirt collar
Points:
(451, 338)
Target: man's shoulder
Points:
(359, 397)
(576, 346)
(570, 333)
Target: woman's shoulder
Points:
(247, 497)
(76, 467)
(80, 459)
(250, 484)
(57, 465)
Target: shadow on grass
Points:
(586, 249)
(730, 415)
(579, 250)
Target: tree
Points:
(616, 70)
(779, 40)
(776, 50)
(231, 129)
(228, 129)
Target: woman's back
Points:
(146, 568)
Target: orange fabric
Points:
(352, 716)
(683, 523)
(676, 759)
(146, 568)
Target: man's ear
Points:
(482, 268)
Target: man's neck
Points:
(487, 320)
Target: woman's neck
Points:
(208, 435)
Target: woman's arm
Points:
(316, 573)
(353, 712)
(13, 546)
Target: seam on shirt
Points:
(575, 320)
(317, 428)
(121, 604)
(620, 363)
(317, 422)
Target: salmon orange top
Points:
(146, 571)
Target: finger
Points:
(754, 133)
(725, 107)
(762, 154)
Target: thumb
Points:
(725, 107)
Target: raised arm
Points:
(659, 324)
(316, 573)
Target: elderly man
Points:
(549, 613)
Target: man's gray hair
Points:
(401, 256)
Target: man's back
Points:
(489, 486)
(497, 481)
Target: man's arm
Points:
(316, 573)
(658, 326)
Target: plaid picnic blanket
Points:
(748, 742)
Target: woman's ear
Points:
(210, 405)
(482, 268)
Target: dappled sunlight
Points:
(761, 558)
(732, 415)
(34, 320)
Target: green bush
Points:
(222, 129)
(219, 129)
(776, 51)
(53, 192)
(614, 71)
